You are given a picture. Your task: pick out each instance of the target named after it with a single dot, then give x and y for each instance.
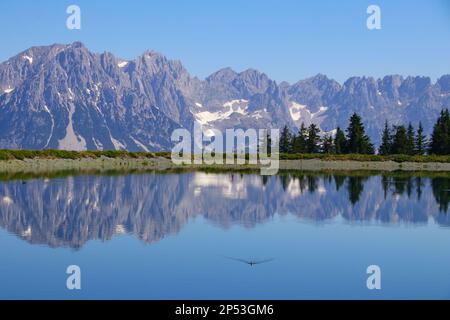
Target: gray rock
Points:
(66, 97)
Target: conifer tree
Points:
(386, 140)
(420, 141)
(410, 142)
(299, 143)
(285, 140)
(400, 141)
(313, 140)
(357, 140)
(439, 143)
(327, 145)
(340, 142)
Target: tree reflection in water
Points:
(69, 211)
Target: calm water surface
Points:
(170, 236)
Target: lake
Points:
(183, 236)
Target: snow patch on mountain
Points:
(207, 117)
(301, 114)
(331, 133)
(295, 111)
(259, 114)
(30, 59)
(98, 144)
(233, 106)
(71, 95)
(140, 144)
(117, 144)
(53, 125)
(322, 109)
(232, 103)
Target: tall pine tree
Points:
(400, 141)
(386, 140)
(313, 140)
(327, 144)
(439, 143)
(299, 143)
(410, 142)
(285, 140)
(340, 142)
(420, 141)
(357, 140)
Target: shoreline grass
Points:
(44, 161)
(9, 154)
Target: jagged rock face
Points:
(315, 92)
(64, 96)
(74, 99)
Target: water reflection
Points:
(71, 211)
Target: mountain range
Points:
(67, 97)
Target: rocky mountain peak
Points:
(64, 96)
(444, 83)
(224, 75)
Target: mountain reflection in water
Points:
(68, 212)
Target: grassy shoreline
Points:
(16, 161)
(9, 154)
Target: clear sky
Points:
(287, 39)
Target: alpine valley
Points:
(66, 97)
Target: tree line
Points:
(395, 139)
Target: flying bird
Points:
(251, 263)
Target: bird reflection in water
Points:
(251, 263)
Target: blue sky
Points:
(287, 39)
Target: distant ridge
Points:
(66, 97)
